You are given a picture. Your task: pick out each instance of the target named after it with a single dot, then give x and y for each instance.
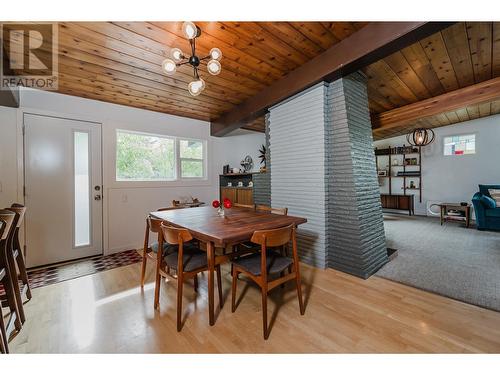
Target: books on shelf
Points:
(396, 150)
(408, 174)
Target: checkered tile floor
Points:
(57, 273)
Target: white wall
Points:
(8, 160)
(236, 145)
(454, 178)
(125, 203)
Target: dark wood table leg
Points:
(211, 269)
(467, 217)
(441, 210)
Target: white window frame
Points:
(177, 159)
(460, 135)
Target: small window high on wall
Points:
(460, 144)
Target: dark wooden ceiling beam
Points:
(373, 42)
(483, 92)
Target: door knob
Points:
(97, 197)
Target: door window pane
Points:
(144, 157)
(82, 189)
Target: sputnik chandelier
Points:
(191, 31)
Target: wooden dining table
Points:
(236, 226)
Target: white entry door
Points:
(63, 189)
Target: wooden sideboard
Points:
(256, 188)
(399, 202)
(241, 195)
(237, 194)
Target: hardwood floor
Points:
(108, 313)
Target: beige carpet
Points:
(450, 260)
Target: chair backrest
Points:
(20, 210)
(483, 189)
(273, 237)
(175, 236)
(176, 203)
(8, 217)
(154, 224)
(240, 205)
(2, 227)
(272, 210)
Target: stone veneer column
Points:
(355, 228)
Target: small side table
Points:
(445, 207)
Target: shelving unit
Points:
(393, 152)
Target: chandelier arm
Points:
(182, 63)
(193, 46)
(205, 58)
(191, 41)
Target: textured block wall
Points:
(355, 228)
(297, 147)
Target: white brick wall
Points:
(297, 147)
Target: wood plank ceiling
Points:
(459, 56)
(120, 62)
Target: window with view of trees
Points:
(143, 157)
(149, 157)
(191, 156)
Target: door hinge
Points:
(24, 130)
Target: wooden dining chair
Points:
(13, 272)
(4, 344)
(17, 251)
(8, 299)
(240, 205)
(188, 261)
(176, 203)
(264, 266)
(271, 210)
(151, 249)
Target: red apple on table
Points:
(228, 204)
(215, 204)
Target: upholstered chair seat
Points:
(193, 258)
(275, 263)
